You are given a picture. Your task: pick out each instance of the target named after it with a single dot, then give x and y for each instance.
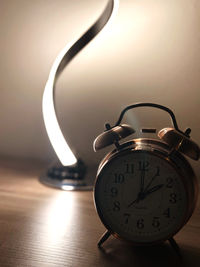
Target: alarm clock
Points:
(145, 190)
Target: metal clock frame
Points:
(175, 159)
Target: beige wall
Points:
(152, 53)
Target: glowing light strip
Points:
(53, 129)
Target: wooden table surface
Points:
(42, 226)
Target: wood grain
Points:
(42, 226)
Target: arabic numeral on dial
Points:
(129, 168)
(119, 178)
(116, 206)
(143, 165)
(173, 198)
(126, 217)
(156, 222)
(113, 192)
(169, 182)
(140, 224)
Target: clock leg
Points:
(175, 246)
(104, 237)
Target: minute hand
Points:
(152, 179)
(142, 181)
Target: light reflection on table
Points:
(59, 214)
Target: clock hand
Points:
(143, 195)
(152, 179)
(141, 189)
(142, 181)
(153, 189)
(134, 201)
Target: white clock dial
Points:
(140, 196)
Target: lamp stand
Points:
(69, 178)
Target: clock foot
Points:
(175, 246)
(104, 237)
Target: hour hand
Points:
(153, 189)
(142, 195)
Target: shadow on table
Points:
(122, 254)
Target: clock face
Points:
(140, 197)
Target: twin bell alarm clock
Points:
(146, 189)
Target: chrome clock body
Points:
(145, 192)
(146, 189)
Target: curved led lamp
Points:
(71, 176)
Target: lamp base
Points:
(74, 177)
